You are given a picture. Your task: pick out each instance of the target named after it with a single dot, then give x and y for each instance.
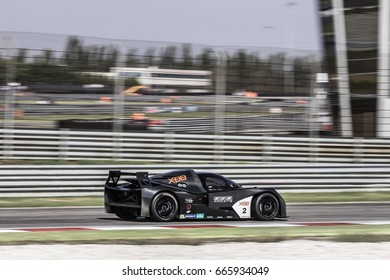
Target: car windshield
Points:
(217, 182)
(233, 184)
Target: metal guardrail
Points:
(195, 148)
(72, 180)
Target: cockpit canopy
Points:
(195, 182)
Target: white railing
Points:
(79, 180)
(193, 148)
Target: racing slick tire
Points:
(126, 214)
(265, 207)
(164, 207)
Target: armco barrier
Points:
(175, 147)
(71, 180)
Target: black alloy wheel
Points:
(266, 207)
(164, 207)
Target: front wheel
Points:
(164, 207)
(266, 207)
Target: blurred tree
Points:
(46, 57)
(276, 72)
(21, 56)
(43, 73)
(240, 70)
(245, 71)
(3, 72)
(101, 52)
(111, 58)
(187, 60)
(253, 73)
(133, 59)
(72, 51)
(206, 60)
(149, 57)
(168, 58)
(93, 58)
(302, 74)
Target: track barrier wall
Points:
(77, 180)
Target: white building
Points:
(168, 80)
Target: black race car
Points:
(186, 194)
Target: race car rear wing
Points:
(114, 175)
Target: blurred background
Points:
(73, 97)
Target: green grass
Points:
(347, 233)
(60, 201)
(337, 197)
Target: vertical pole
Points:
(118, 103)
(313, 102)
(169, 146)
(64, 144)
(219, 103)
(9, 98)
(358, 150)
(342, 68)
(313, 117)
(289, 62)
(383, 98)
(267, 148)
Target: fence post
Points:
(9, 98)
(169, 146)
(358, 150)
(64, 144)
(267, 148)
(117, 145)
(313, 149)
(118, 103)
(220, 92)
(8, 143)
(342, 68)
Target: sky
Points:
(291, 24)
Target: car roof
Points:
(186, 179)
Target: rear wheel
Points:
(266, 207)
(126, 214)
(164, 207)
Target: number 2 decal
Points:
(243, 207)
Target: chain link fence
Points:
(68, 82)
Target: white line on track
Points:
(189, 226)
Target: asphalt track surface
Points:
(96, 217)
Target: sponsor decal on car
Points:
(182, 185)
(243, 203)
(187, 216)
(192, 216)
(223, 199)
(188, 200)
(177, 179)
(243, 207)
